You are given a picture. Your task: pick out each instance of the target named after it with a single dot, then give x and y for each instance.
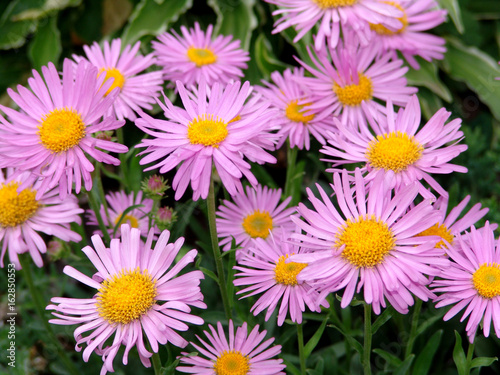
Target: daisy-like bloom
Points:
(137, 292)
(204, 134)
(54, 129)
(295, 120)
(396, 145)
(254, 214)
(371, 243)
(243, 354)
(266, 269)
(472, 281)
(23, 216)
(137, 90)
(195, 55)
(119, 212)
(334, 17)
(352, 81)
(411, 39)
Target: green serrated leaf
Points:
(36, 9)
(453, 8)
(424, 359)
(45, 47)
(390, 358)
(482, 361)
(152, 18)
(459, 355)
(405, 366)
(313, 341)
(14, 34)
(427, 76)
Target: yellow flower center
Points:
(286, 273)
(201, 56)
(295, 112)
(366, 240)
(130, 219)
(258, 224)
(231, 363)
(354, 94)
(16, 208)
(205, 130)
(439, 230)
(119, 79)
(61, 129)
(126, 296)
(394, 151)
(382, 30)
(486, 280)
(324, 4)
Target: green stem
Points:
(470, 354)
(94, 205)
(367, 340)
(155, 359)
(300, 340)
(215, 247)
(413, 329)
(122, 156)
(100, 189)
(290, 173)
(36, 296)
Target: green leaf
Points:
(210, 274)
(36, 9)
(265, 59)
(430, 103)
(124, 215)
(236, 18)
(13, 34)
(45, 47)
(313, 341)
(152, 18)
(427, 76)
(405, 366)
(459, 355)
(381, 320)
(453, 8)
(424, 359)
(477, 69)
(390, 358)
(482, 361)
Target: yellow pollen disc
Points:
(324, 4)
(295, 111)
(394, 151)
(486, 280)
(439, 230)
(258, 224)
(61, 130)
(126, 296)
(382, 30)
(366, 240)
(16, 208)
(119, 79)
(354, 94)
(130, 219)
(201, 56)
(286, 273)
(231, 363)
(205, 130)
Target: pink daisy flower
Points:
(296, 121)
(34, 139)
(203, 134)
(352, 82)
(266, 269)
(137, 292)
(120, 213)
(411, 39)
(257, 213)
(195, 55)
(472, 281)
(370, 243)
(24, 215)
(137, 90)
(243, 353)
(334, 17)
(396, 145)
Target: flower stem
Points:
(367, 340)
(470, 354)
(290, 175)
(155, 359)
(94, 205)
(36, 296)
(100, 189)
(413, 329)
(216, 249)
(300, 339)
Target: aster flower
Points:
(370, 243)
(472, 281)
(396, 145)
(119, 212)
(137, 291)
(34, 139)
(203, 134)
(24, 216)
(352, 81)
(334, 17)
(296, 121)
(266, 269)
(243, 353)
(255, 213)
(194, 54)
(137, 89)
(411, 39)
